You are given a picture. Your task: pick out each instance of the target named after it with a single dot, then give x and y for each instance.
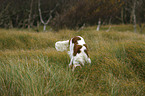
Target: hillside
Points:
(30, 65)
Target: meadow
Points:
(30, 65)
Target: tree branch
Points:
(29, 19)
(40, 14)
(50, 17)
(99, 24)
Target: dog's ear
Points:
(77, 49)
(86, 46)
(75, 39)
(86, 51)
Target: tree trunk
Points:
(122, 16)
(99, 23)
(30, 14)
(44, 28)
(109, 24)
(11, 24)
(141, 26)
(134, 15)
(40, 14)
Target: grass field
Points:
(30, 65)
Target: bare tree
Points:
(50, 16)
(134, 15)
(82, 27)
(99, 24)
(140, 10)
(30, 14)
(109, 24)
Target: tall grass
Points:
(30, 65)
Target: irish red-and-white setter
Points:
(78, 51)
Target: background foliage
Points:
(69, 13)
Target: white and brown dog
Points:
(78, 51)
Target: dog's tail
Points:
(62, 45)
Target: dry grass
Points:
(30, 65)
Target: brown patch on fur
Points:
(75, 39)
(85, 46)
(77, 49)
(86, 51)
(69, 42)
(71, 66)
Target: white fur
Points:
(77, 60)
(62, 45)
(80, 59)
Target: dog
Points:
(78, 51)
